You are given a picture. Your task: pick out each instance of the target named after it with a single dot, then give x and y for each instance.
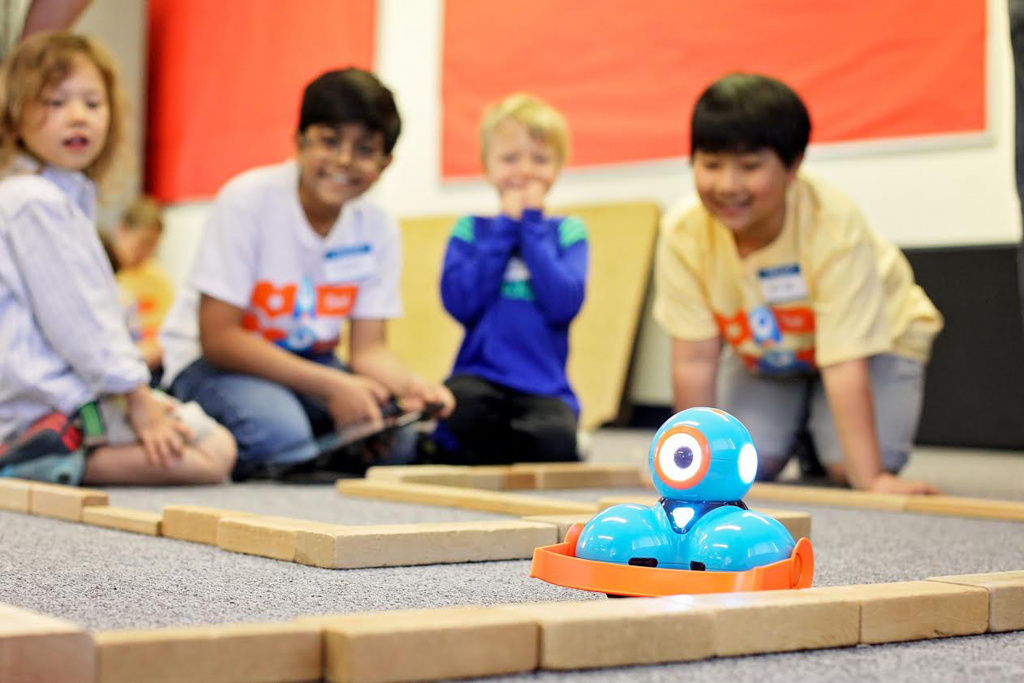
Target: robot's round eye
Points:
(682, 457)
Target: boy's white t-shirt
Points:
(260, 254)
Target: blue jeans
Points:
(272, 424)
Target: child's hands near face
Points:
(534, 193)
(354, 399)
(512, 201)
(162, 435)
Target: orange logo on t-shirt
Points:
(798, 319)
(734, 329)
(273, 301)
(335, 299)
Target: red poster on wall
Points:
(626, 75)
(226, 80)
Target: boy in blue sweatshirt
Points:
(515, 282)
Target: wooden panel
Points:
(125, 519)
(195, 523)
(487, 501)
(980, 508)
(265, 536)
(602, 633)
(430, 644)
(582, 475)
(1005, 597)
(563, 522)
(602, 337)
(15, 494)
(402, 545)
(64, 502)
(916, 610)
(779, 621)
(254, 653)
(35, 648)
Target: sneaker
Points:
(57, 468)
(53, 434)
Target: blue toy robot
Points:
(702, 461)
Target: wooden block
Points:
(608, 501)
(273, 537)
(563, 522)
(1005, 597)
(125, 519)
(603, 633)
(15, 494)
(488, 501)
(778, 621)
(210, 654)
(587, 476)
(817, 495)
(413, 544)
(195, 523)
(797, 523)
(35, 648)
(916, 610)
(980, 508)
(429, 644)
(407, 472)
(63, 502)
(488, 477)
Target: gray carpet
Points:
(106, 579)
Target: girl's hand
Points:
(163, 436)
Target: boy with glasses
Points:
(291, 252)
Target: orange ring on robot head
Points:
(705, 463)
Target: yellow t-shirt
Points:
(826, 290)
(151, 291)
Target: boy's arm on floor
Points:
(848, 388)
(474, 265)
(694, 368)
(557, 261)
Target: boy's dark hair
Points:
(351, 96)
(749, 112)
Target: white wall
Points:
(916, 194)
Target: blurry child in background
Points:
(146, 287)
(515, 282)
(68, 363)
(824, 328)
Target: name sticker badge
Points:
(782, 283)
(349, 264)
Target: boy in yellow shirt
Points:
(146, 286)
(824, 329)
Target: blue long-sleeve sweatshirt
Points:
(515, 285)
